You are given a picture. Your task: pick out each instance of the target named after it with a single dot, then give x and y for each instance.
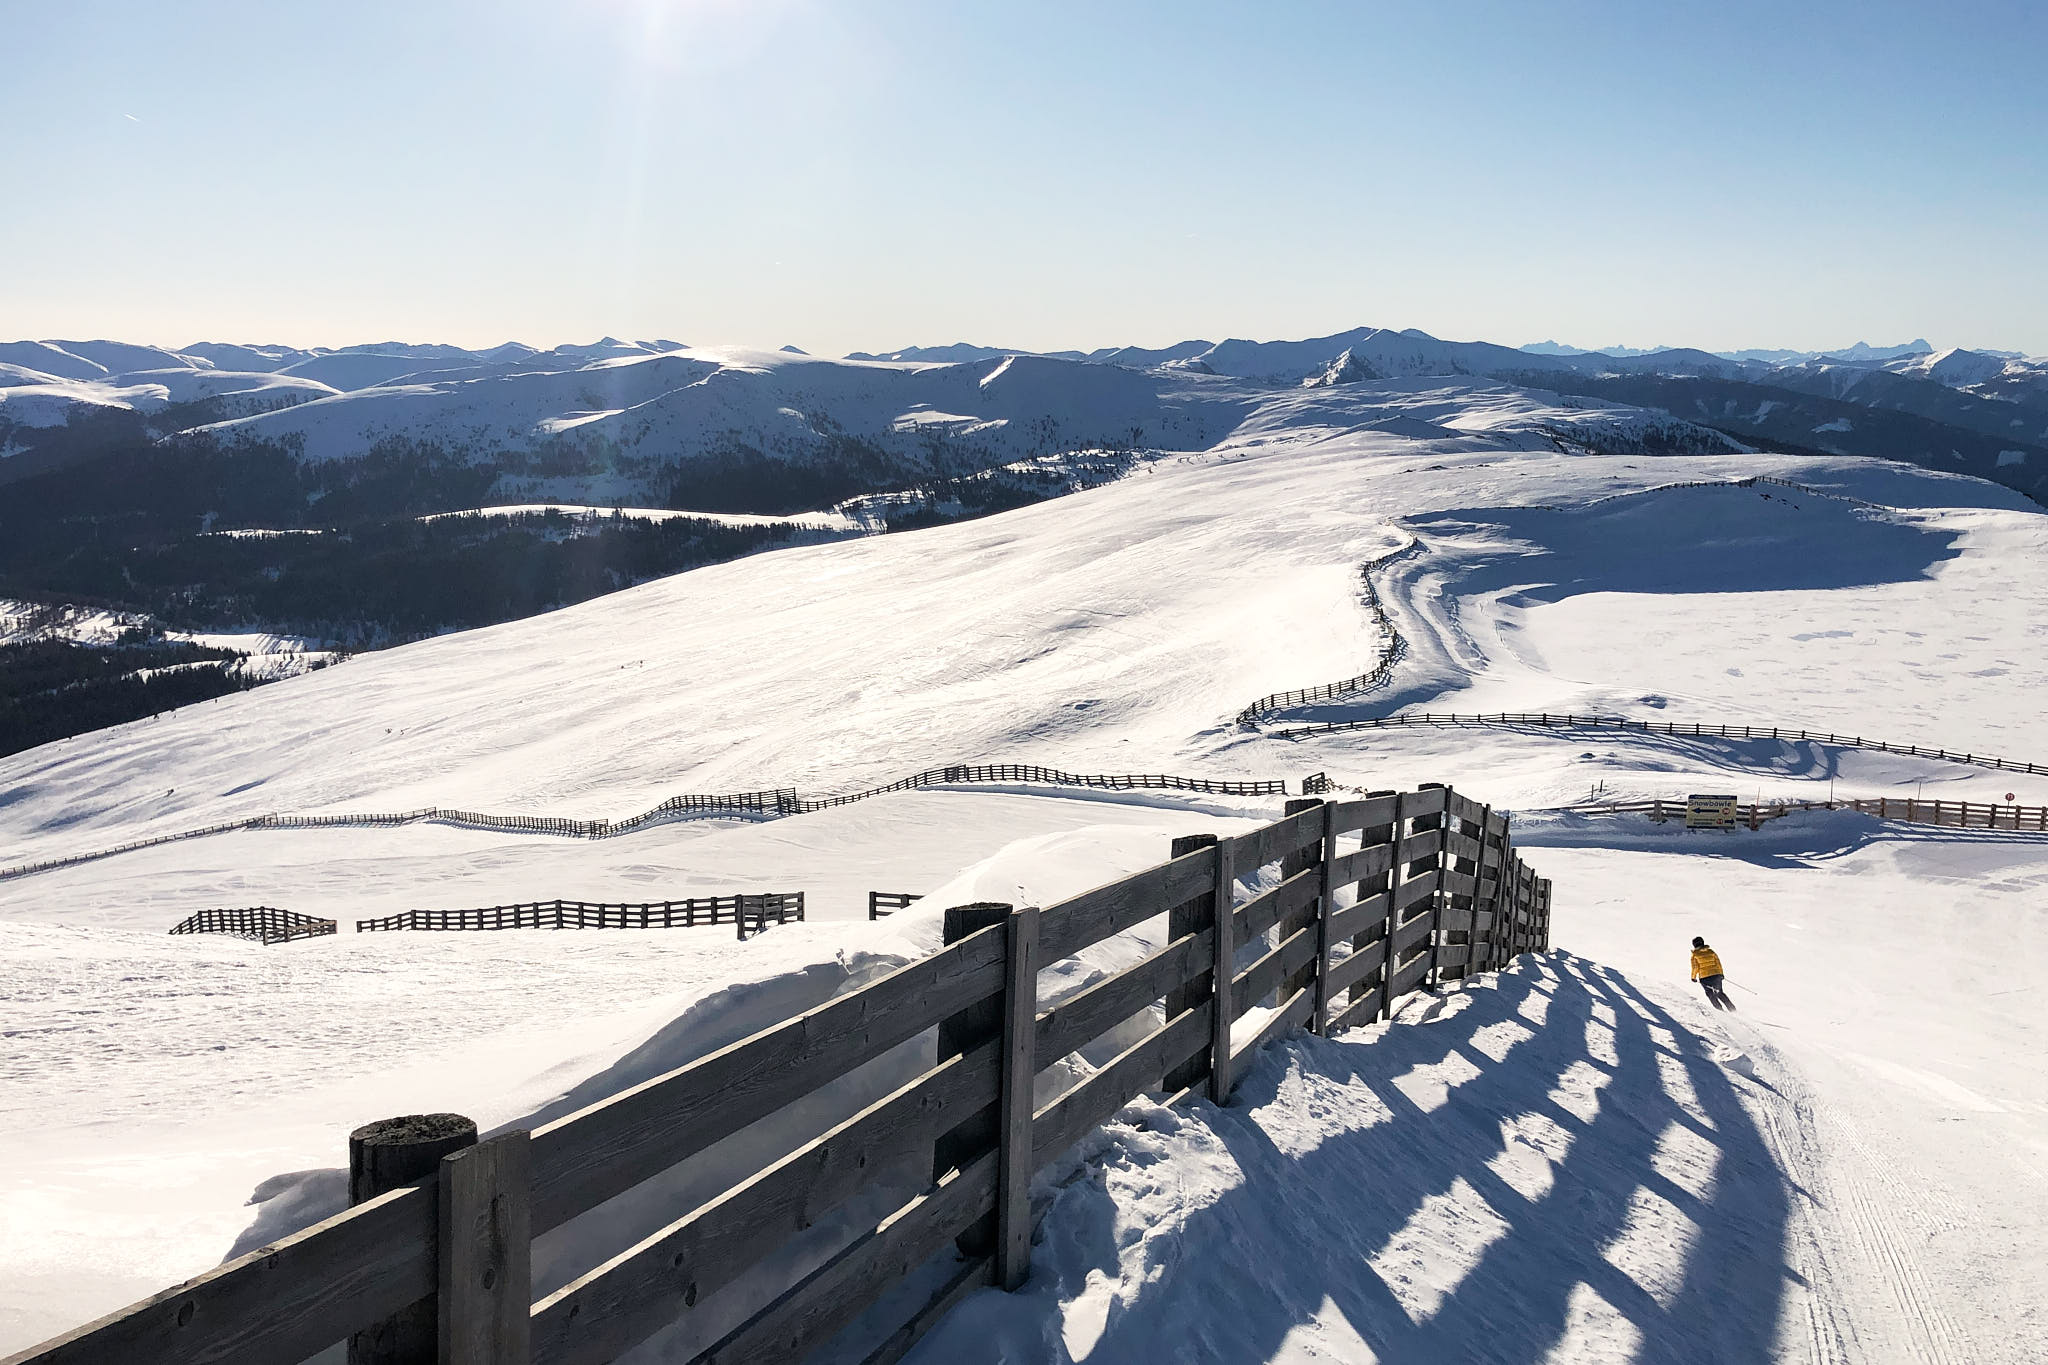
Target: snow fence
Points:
(1372, 899)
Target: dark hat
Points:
(1699, 942)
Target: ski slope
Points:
(1121, 630)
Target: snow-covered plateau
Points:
(1574, 1160)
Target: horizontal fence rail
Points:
(1516, 720)
(264, 923)
(758, 911)
(1912, 809)
(782, 801)
(1357, 903)
(882, 904)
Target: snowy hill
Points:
(1641, 1154)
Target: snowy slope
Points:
(1122, 630)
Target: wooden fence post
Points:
(1222, 1014)
(383, 1156)
(1293, 864)
(1020, 1072)
(1326, 897)
(962, 1032)
(1396, 836)
(1438, 859)
(1181, 920)
(1502, 905)
(485, 1256)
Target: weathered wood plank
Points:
(1271, 843)
(1423, 801)
(1423, 843)
(1220, 1079)
(1019, 1073)
(1138, 1068)
(652, 1283)
(1363, 918)
(1362, 1011)
(817, 1306)
(486, 1253)
(1459, 845)
(1357, 967)
(1326, 909)
(1080, 921)
(1189, 917)
(1453, 955)
(1356, 815)
(1260, 979)
(1406, 979)
(1463, 807)
(972, 1275)
(1410, 933)
(1295, 1012)
(1315, 859)
(586, 1157)
(1080, 1019)
(1361, 863)
(280, 1303)
(1457, 883)
(1415, 891)
(1269, 907)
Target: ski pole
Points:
(1740, 987)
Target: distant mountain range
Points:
(733, 429)
(244, 488)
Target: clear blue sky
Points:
(866, 174)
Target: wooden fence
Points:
(781, 801)
(1370, 680)
(882, 904)
(1272, 703)
(264, 923)
(1955, 814)
(1436, 890)
(757, 911)
(1554, 721)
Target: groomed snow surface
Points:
(1574, 1160)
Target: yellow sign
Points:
(1710, 812)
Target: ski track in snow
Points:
(1573, 1161)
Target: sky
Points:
(870, 174)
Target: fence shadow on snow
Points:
(1286, 1248)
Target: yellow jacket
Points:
(1705, 962)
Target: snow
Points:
(1575, 1152)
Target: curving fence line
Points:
(1272, 703)
(779, 802)
(263, 923)
(1369, 681)
(1520, 720)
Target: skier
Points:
(1706, 969)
